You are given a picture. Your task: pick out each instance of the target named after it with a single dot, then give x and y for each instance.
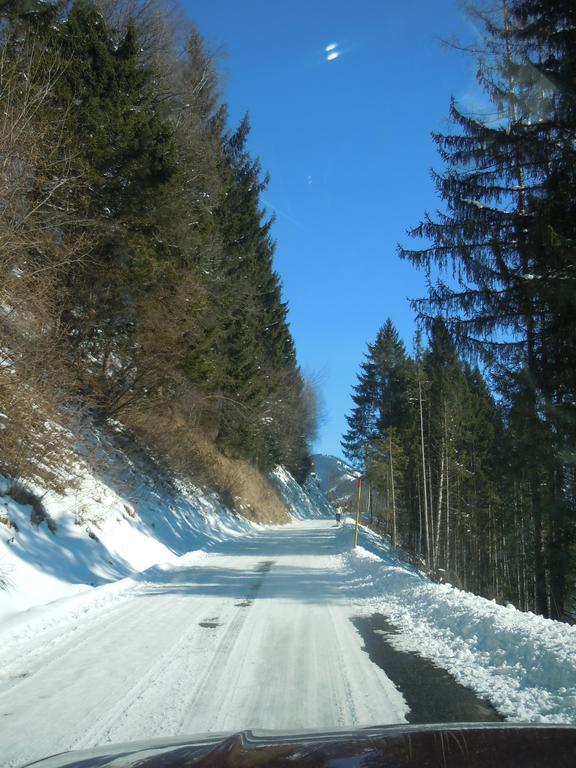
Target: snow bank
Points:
(116, 521)
(524, 664)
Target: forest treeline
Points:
(138, 282)
(473, 464)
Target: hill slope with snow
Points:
(304, 502)
(115, 521)
(336, 478)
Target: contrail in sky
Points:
(282, 213)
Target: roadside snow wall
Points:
(523, 663)
(111, 523)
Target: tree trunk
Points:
(447, 553)
(557, 554)
(540, 593)
(370, 511)
(392, 489)
(425, 490)
(440, 499)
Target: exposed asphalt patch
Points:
(261, 570)
(432, 694)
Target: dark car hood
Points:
(398, 746)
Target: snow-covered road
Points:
(254, 634)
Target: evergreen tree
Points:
(380, 395)
(126, 158)
(495, 172)
(246, 358)
(545, 33)
(445, 421)
(436, 465)
(361, 422)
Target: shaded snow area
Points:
(116, 521)
(100, 535)
(524, 664)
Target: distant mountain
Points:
(336, 478)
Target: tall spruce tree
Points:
(126, 158)
(494, 306)
(545, 34)
(247, 359)
(380, 395)
(444, 424)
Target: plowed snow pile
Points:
(524, 664)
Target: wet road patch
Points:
(432, 694)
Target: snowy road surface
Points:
(254, 634)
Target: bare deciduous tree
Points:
(36, 211)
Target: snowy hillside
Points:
(336, 478)
(305, 502)
(115, 522)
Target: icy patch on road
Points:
(524, 664)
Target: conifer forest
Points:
(131, 231)
(468, 444)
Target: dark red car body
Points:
(410, 746)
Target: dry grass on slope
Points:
(250, 492)
(186, 450)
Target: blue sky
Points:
(347, 143)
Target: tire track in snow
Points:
(161, 700)
(280, 654)
(40, 631)
(338, 678)
(218, 666)
(223, 660)
(155, 703)
(61, 703)
(69, 642)
(102, 730)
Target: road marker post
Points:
(357, 513)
